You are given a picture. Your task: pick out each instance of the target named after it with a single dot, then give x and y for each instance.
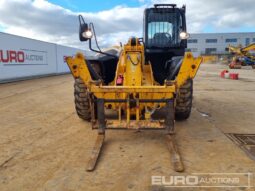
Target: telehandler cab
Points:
(148, 82)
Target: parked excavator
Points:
(243, 56)
(147, 83)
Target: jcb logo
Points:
(10, 56)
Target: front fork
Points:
(169, 125)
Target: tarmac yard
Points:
(44, 146)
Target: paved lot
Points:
(45, 146)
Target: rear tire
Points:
(184, 101)
(81, 100)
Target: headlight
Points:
(87, 34)
(184, 35)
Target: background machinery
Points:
(242, 56)
(146, 84)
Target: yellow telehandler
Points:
(148, 82)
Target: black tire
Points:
(184, 101)
(81, 100)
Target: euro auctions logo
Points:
(205, 180)
(11, 56)
(23, 57)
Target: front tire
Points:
(184, 101)
(81, 100)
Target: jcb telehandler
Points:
(148, 82)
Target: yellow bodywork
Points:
(138, 82)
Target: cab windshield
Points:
(163, 29)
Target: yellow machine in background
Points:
(210, 59)
(242, 56)
(147, 84)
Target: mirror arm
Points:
(99, 50)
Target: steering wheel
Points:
(168, 35)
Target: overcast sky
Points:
(56, 20)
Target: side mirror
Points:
(83, 28)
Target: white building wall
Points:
(200, 47)
(24, 58)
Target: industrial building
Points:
(216, 43)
